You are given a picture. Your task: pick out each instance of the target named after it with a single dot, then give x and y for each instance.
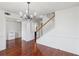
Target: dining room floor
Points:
(20, 47)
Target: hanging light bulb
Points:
(18, 20)
(31, 16)
(24, 15)
(20, 13)
(26, 11)
(35, 13)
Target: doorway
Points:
(13, 32)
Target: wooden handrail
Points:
(35, 33)
(44, 24)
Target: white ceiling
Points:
(39, 7)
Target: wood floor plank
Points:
(20, 47)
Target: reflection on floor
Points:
(20, 47)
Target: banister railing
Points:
(38, 29)
(45, 23)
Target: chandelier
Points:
(27, 15)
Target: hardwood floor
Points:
(20, 47)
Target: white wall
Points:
(13, 29)
(2, 31)
(65, 35)
(3, 28)
(27, 31)
(19, 29)
(48, 26)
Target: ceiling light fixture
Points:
(27, 15)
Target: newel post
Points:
(35, 45)
(35, 34)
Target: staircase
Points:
(45, 25)
(43, 28)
